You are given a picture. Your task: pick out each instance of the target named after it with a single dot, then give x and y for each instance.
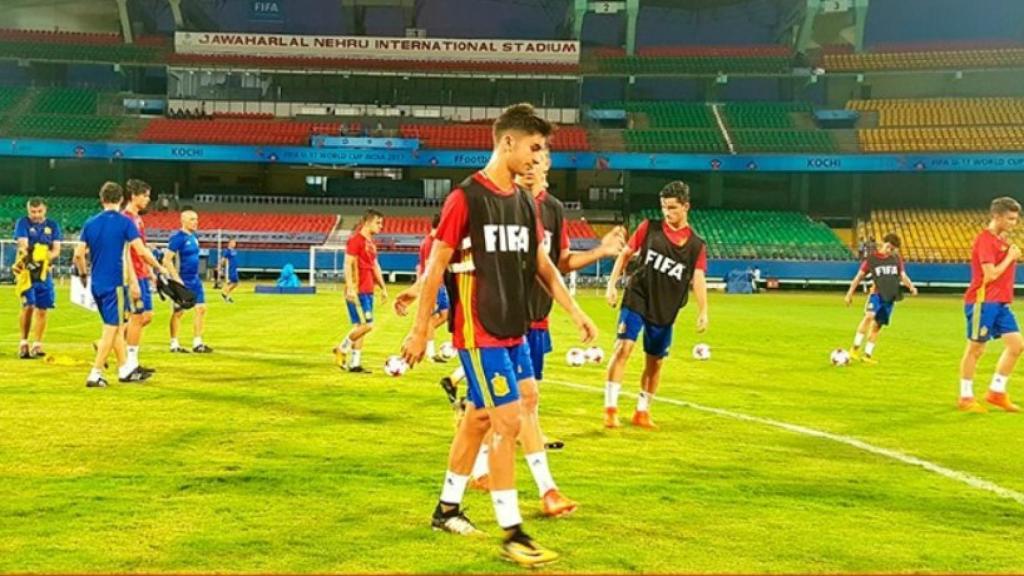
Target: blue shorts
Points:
(363, 313)
(441, 303)
(657, 338)
(881, 308)
(994, 320)
(195, 285)
(110, 303)
(41, 295)
(493, 374)
(539, 340)
(145, 303)
(233, 276)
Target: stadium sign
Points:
(379, 48)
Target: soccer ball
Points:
(701, 352)
(575, 357)
(395, 366)
(447, 351)
(840, 357)
(594, 354)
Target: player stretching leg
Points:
(104, 239)
(488, 240)
(556, 244)
(182, 258)
(672, 257)
(140, 310)
(362, 275)
(987, 307)
(38, 240)
(886, 267)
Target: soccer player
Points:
(38, 239)
(140, 310)
(362, 275)
(182, 258)
(672, 257)
(104, 239)
(229, 264)
(488, 240)
(987, 307)
(886, 267)
(556, 244)
(441, 305)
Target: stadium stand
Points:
(764, 234)
(936, 112)
(236, 131)
(315, 63)
(913, 58)
(958, 139)
(697, 140)
(675, 60)
(763, 114)
(929, 235)
(251, 230)
(79, 47)
(782, 141)
(479, 137)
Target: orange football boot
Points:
(643, 420)
(611, 418)
(1002, 400)
(554, 504)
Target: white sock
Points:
(126, 369)
(37, 344)
(611, 394)
(346, 344)
(538, 463)
(458, 374)
(95, 375)
(356, 358)
(431, 352)
(869, 348)
(481, 467)
(858, 339)
(998, 383)
(506, 507)
(643, 401)
(197, 341)
(966, 388)
(133, 355)
(454, 488)
(174, 343)
(24, 342)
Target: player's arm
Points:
(611, 246)
(906, 281)
(351, 278)
(55, 251)
(170, 263)
(700, 293)
(78, 259)
(992, 271)
(853, 286)
(134, 291)
(378, 279)
(612, 292)
(140, 248)
(551, 280)
(433, 275)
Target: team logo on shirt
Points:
(47, 230)
(665, 265)
(983, 332)
(886, 270)
(506, 238)
(499, 384)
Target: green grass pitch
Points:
(263, 457)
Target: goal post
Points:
(326, 264)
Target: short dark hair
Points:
(435, 220)
(136, 187)
(35, 202)
(1004, 204)
(676, 189)
(371, 214)
(111, 193)
(522, 117)
(892, 238)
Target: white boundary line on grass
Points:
(963, 477)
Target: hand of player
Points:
(848, 299)
(913, 290)
(612, 296)
(351, 296)
(414, 346)
(383, 295)
(1014, 252)
(586, 326)
(614, 242)
(18, 267)
(135, 292)
(404, 300)
(702, 321)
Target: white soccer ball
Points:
(575, 357)
(701, 352)
(395, 366)
(447, 351)
(840, 357)
(594, 354)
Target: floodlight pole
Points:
(179, 22)
(126, 22)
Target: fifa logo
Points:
(506, 238)
(887, 270)
(665, 265)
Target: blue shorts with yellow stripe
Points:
(109, 303)
(493, 374)
(987, 320)
(363, 312)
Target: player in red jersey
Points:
(987, 307)
(487, 248)
(362, 276)
(140, 308)
(672, 257)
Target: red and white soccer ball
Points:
(575, 357)
(594, 355)
(447, 351)
(701, 352)
(395, 366)
(840, 357)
